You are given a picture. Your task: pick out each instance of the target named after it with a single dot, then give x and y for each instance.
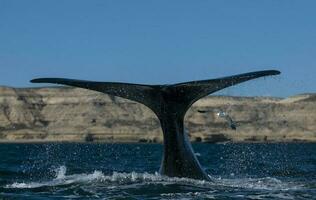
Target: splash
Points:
(266, 183)
(61, 179)
(117, 179)
(61, 172)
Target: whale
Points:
(169, 102)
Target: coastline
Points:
(160, 143)
(63, 114)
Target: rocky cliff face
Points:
(71, 114)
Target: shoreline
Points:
(193, 142)
(64, 114)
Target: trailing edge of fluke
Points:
(169, 103)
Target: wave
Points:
(61, 179)
(117, 179)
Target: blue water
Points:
(129, 171)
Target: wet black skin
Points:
(170, 103)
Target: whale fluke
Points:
(169, 103)
(140, 93)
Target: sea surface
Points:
(130, 171)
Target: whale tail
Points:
(169, 103)
(153, 96)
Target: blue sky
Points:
(157, 42)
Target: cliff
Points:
(72, 114)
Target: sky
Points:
(161, 42)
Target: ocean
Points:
(130, 171)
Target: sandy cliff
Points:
(71, 114)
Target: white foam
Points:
(267, 183)
(24, 185)
(120, 179)
(61, 172)
(61, 179)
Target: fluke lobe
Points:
(169, 103)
